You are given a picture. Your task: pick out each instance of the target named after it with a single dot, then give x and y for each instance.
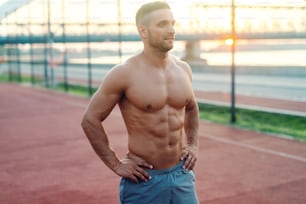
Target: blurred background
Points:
(73, 43)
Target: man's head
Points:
(155, 24)
(146, 9)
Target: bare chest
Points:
(152, 91)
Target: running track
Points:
(46, 159)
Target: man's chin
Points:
(168, 48)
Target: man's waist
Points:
(176, 167)
(160, 159)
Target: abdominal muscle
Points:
(156, 137)
(155, 151)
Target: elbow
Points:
(85, 123)
(89, 122)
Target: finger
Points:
(184, 155)
(145, 164)
(133, 178)
(188, 160)
(191, 164)
(140, 176)
(186, 163)
(143, 174)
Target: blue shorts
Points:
(174, 185)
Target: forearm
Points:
(191, 126)
(99, 141)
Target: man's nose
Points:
(171, 29)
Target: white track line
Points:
(256, 148)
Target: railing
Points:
(52, 52)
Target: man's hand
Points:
(132, 167)
(190, 155)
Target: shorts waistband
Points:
(165, 171)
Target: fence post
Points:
(233, 111)
(46, 75)
(8, 51)
(90, 92)
(31, 46)
(65, 51)
(119, 29)
(19, 77)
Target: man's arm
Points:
(191, 126)
(100, 106)
(97, 111)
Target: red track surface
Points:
(46, 158)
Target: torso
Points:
(153, 108)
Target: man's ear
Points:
(143, 32)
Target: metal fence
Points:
(72, 43)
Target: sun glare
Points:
(229, 41)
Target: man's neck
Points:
(157, 59)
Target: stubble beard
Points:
(161, 45)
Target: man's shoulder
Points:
(127, 65)
(121, 73)
(182, 64)
(124, 66)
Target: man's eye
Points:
(162, 24)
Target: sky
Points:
(2, 1)
(7, 6)
(76, 11)
(270, 2)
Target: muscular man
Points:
(155, 95)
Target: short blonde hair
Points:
(149, 8)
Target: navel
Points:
(149, 107)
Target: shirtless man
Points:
(155, 95)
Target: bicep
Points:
(102, 104)
(106, 97)
(192, 103)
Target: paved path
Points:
(45, 157)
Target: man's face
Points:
(161, 33)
